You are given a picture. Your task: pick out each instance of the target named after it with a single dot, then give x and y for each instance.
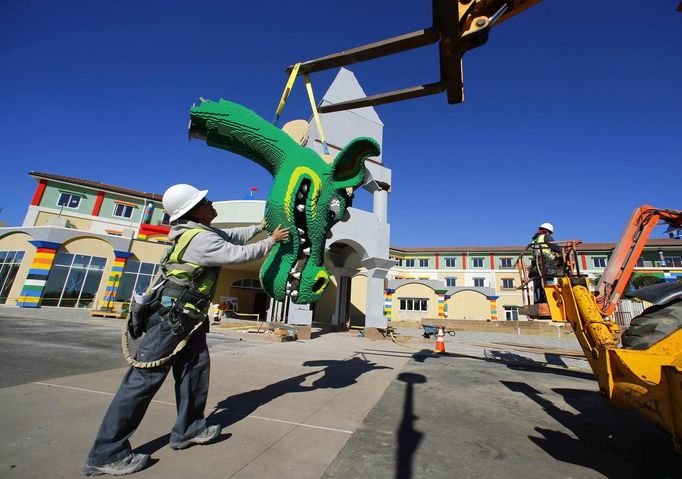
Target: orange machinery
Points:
(645, 373)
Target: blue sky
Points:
(571, 116)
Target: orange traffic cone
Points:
(440, 341)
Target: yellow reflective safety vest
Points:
(544, 247)
(198, 279)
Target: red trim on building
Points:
(437, 260)
(45, 250)
(98, 203)
(38, 195)
(464, 261)
(147, 229)
(583, 258)
(492, 261)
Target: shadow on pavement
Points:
(512, 360)
(408, 437)
(615, 443)
(336, 374)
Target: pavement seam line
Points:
(293, 423)
(93, 391)
(232, 414)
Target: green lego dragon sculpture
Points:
(308, 195)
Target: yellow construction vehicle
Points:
(645, 373)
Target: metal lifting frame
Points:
(458, 26)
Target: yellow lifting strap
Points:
(313, 106)
(309, 87)
(285, 93)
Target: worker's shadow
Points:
(614, 442)
(335, 374)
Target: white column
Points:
(380, 207)
(377, 269)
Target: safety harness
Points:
(190, 288)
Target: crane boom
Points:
(628, 250)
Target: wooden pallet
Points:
(109, 314)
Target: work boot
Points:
(129, 464)
(204, 437)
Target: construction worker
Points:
(191, 270)
(546, 258)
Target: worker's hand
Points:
(280, 235)
(262, 224)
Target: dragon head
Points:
(308, 195)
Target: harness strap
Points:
(184, 294)
(158, 362)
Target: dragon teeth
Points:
(299, 195)
(304, 188)
(301, 231)
(306, 251)
(301, 208)
(296, 275)
(294, 294)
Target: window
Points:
(479, 282)
(423, 262)
(511, 313)
(123, 211)
(451, 281)
(9, 264)
(599, 262)
(247, 283)
(68, 200)
(506, 263)
(477, 262)
(413, 304)
(73, 281)
(673, 261)
(135, 278)
(646, 263)
(166, 219)
(409, 263)
(450, 262)
(507, 283)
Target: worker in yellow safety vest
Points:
(545, 259)
(183, 296)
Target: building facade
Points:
(91, 245)
(479, 282)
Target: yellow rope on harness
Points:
(125, 347)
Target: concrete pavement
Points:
(336, 406)
(287, 408)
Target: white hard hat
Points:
(179, 199)
(547, 226)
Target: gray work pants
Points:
(191, 373)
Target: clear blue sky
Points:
(572, 114)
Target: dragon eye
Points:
(334, 208)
